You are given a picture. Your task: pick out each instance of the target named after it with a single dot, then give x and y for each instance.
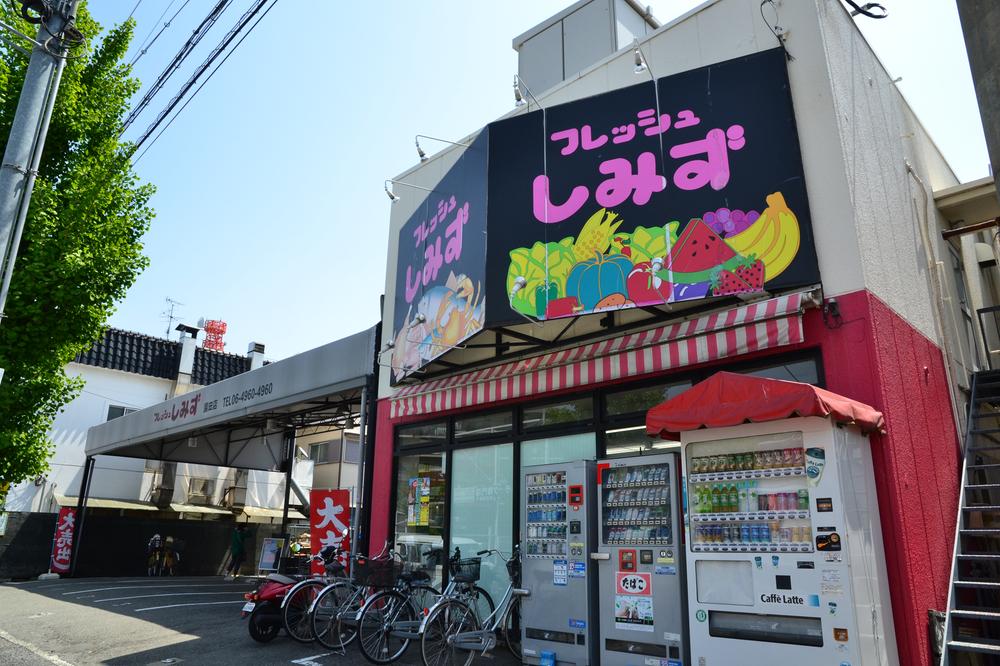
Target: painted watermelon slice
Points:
(699, 249)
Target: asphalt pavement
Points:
(150, 621)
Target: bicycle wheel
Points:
(512, 628)
(482, 603)
(380, 613)
(334, 602)
(449, 618)
(422, 598)
(295, 614)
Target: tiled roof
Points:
(212, 366)
(157, 357)
(134, 352)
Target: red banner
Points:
(329, 519)
(62, 543)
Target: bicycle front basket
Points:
(378, 573)
(466, 570)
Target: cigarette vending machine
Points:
(556, 536)
(642, 604)
(785, 558)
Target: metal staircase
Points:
(972, 625)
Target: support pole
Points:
(288, 462)
(23, 152)
(360, 494)
(81, 510)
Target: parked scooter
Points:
(263, 605)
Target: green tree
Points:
(81, 249)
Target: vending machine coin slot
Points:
(626, 559)
(646, 557)
(574, 527)
(576, 496)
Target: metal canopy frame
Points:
(248, 421)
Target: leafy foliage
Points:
(81, 247)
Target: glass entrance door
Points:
(482, 506)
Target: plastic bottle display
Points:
(545, 532)
(753, 500)
(636, 505)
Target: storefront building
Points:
(712, 200)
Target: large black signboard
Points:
(441, 267)
(625, 200)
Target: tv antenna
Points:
(168, 314)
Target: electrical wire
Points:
(872, 10)
(131, 13)
(144, 47)
(175, 63)
(201, 69)
(781, 42)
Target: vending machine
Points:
(556, 535)
(785, 559)
(640, 562)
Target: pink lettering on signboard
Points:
(448, 234)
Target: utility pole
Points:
(31, 123)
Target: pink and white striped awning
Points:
(767, 324)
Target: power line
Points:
(131, 13)
(229, 37)
(145, 47)
(176, 62)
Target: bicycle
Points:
(451, 633)
(296, 606)
(391, 618)
(335, 611)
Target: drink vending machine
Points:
(556, 535)
(639, 558)
(785, 558)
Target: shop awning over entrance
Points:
(727, 399)
(768, 324)
(241, 422)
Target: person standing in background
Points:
(237, 552)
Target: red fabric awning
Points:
(727, 399)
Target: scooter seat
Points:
(280, 578)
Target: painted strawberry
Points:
(726, 283)
(752, 272)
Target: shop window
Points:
(633, 441)
(484, 425)
(580, 410)
(116, 411)
(804, 371)
(482, 491)
(559, 449)
(325, 452)
(422, 434)
(420, 512)
(640, 400)
(352, 448)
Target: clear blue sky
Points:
(270, 209)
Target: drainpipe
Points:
(934, 274)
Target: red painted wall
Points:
(875, 356)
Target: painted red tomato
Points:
(644, 288)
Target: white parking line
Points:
(203, 603)
(145, 587)
(171, 594)
(51, 658)
(308, 661)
